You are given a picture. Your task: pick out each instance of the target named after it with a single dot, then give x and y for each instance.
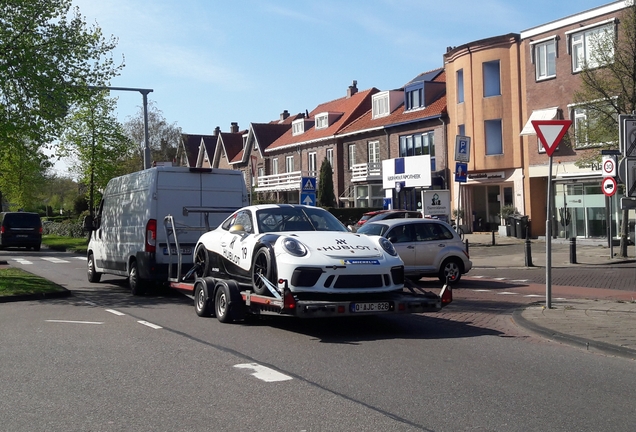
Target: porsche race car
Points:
(273, 247)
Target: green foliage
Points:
(22, 169)
(325, 195)
(95, 143)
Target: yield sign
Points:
(550, 132)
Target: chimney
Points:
(217, 131)
(234, 127)
(284, 115)
(353, 89)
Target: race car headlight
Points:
(387, 246)
(294, 247)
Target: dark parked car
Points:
(377, 215)
(20, 229)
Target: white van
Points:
(128, 237)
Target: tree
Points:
(608, 89)
(96, 143)
(48, 56)
(22, 170)
(163, 138)
(325, 195)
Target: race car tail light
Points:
(289, 302)
(446, 295)
(151, 236)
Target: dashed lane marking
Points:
(23, 261)
(482, 290)
(507, 293)
(74, 322)
(148, 324)
(264, 373)
(533, 295)
(114, 312)
(55, 260)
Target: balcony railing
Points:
(366, 172)
(283, 182)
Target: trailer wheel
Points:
(201, 261)
(202, 304)
(262, 267)
(228, 303)
(136, 284)
(91, 273)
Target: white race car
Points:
(301, 248)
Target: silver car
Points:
(428, 247)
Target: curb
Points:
(574, 341)
(36, 296)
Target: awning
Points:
(542, 114)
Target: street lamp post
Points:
(144, 93)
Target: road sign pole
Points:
(548, 242)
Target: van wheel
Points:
(450, 271)
(261, 268)
(202, 261)
(136, 284)
(93, 275)
(36, 248)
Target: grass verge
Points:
(69, 244)
(15, 282)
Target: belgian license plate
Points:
(173, 251)
(369, 307)
(22, 236)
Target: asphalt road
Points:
(104, 360)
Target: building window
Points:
(545, 59)
(592, 47)
(289, 164)
(298, 127)
(275, 166)
(330, 157)
(492, 79)
(261, 172)
(352, 155)
(494, 137)
(418, 144)
(460, 86)
(380, 105)
(415, 96)
(322, 121)
(374, 151)
(311, 164)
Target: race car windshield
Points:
(297, 219)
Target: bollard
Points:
(528, 250)
(467, 246)
(573, 250)
(493, 237)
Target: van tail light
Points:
(151, 236)
(40, 230)
(2, 229)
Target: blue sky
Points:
(213, 62)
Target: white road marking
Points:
(151, 325)
(499, 279)
(80, 258)
(115, 312)
(264, 373)
(482, 290)
(507, 293)
(22, 261)
(74, 322)
(55, 260)
(90, 303)
(533, 295)
(519, 280)
(478, 277)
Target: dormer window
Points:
(301, 126)
(414, 96)
(322, 121)
(381, 105)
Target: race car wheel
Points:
(202, 261)
(451, 271)
(261, 268)
(201, 301)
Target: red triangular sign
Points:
(551, 132)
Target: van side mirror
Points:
(87, 223)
